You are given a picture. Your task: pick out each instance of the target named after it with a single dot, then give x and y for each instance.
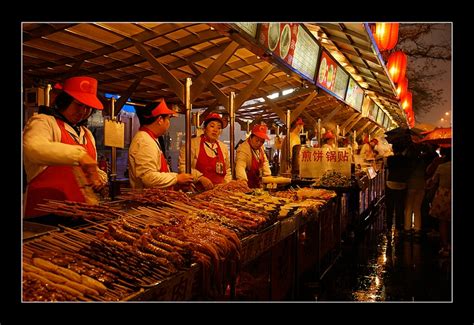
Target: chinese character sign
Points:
(314, 162)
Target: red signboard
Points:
(280, 38)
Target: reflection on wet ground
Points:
(388, 267)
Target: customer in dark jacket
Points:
(398, 168)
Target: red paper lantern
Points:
(386, 35)
(397, 66)
(402, 88)
(407, 101)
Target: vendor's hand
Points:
(185, 179)
(206, 183)
(89, 167)
(98, 187)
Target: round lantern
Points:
(402, 88)
(386, 35)
(407, 101)
(397, 66)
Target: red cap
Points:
(328, 135)
(299, 121)
(83, 89)
(216, 117)
(260, 130)
(161, 109)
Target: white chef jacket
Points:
(42, 146)
(144, 163)
(243, 161)
(195, 145)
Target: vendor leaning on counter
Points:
(147, 165)
(367, 151)
(251, 163)
(210, 162)
(56, 141)
(296, 128)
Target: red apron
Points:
(253, 174)
(164, 168)
(56, 182)
(207, 165)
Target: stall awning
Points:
(352, 45)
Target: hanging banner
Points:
(314, 162)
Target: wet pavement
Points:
(380, 265)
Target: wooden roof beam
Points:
(126, 94)
(349, 120)
(329, 117)
(206, 77)
(359, 131)
(170, 79)
(247, 91)
(302, 105)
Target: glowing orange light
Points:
(386, 35)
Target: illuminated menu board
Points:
(306, 53)
(340, 85)
(249, 28)
(372, 110)
(327, 72)
(380, 117)
(354, 95)
(387, 122)
(293, 44)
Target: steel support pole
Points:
(288, 131)
(187, 97)
(231, 132)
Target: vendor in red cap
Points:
(296, 128)
(329, 140)
(251, 163)
(147, 165)
(210, 162)
(56, 140)
(367, 151)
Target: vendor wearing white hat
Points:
(251, 163)
(56, 140)
(147, 165)
(210, 162)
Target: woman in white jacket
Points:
(56, 141)
(251, 163)
(147, 165)
(210, 162)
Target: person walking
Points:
(441, 205)
(395, 187)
